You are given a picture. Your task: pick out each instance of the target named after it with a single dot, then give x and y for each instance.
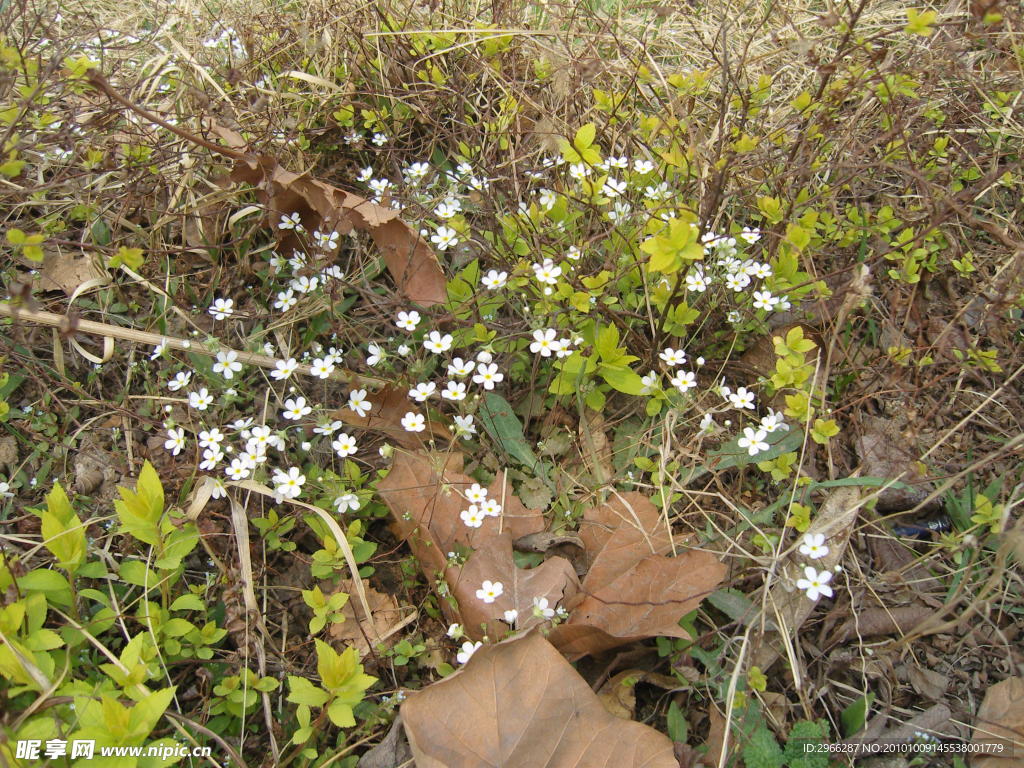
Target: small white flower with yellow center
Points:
(547, 272)
(408, 321)
(490, 508)
(175, 440)
(673, 357)
(464, 427)
(227, 364)
(543, 342)
(288, 484)
(460, 367)
(344, 445)
(357, 402)
(472, 517)
(181, 379)
(283, 369)
(684, 381)
(221, 309)
(814, 546)
(414, 422)
(742, 398)
(438, 343)
(445, 238)
(295, 408)
(454, 390)
(468, 649)
(200, 400)
(488, 376)
(753, 440)
(494, 280)
(490, 591)
(815, 584)
(422, 391)
(322, 367)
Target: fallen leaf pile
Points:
(520, 702)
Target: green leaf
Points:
(733, 604)
(145, 715)
(622, 379)
(503, 426)
(177, 545)
(52, 584)
(802, 734)
(304, 692)
(584, 138)
(130, 257)
(62, 531)
(340, 714)
(135, 572)
(919, 23)
(678, 728)
(140, 510)
(855, 716)
(188, 603)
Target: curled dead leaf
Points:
(413, 265)
(521, 703)
(999, 725)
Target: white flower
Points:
(158, 350)
(485, 357)
(347, 501)
(460, 367)
(403, 350)
(365, 174)
(742, 398)
(357, 402)
(737, 281)
(695, 281)
(753, 441)
(286, 300)
(546, 199)
(643, 167)
(445, 238)
(327, 241)
(733, 316)
(437, 343)
(543, 342)
(288, 484)
(304, 283)
(210, 438)
(764, 300)
(579, 171)
(284, 368)
(476, 493)
(773, 421)
(650, 383)
(408, 320)
(468, 649)
(221, 308)
(295, 409)
(237, 470)
(227, 364)
(613, 188)
(510, 617)
(490, 508)
(414, 422)
(562, 347)
(684, 381)
(494, 280)
(673, 357)
(211, 458)
(181, 379)
(750, 235)
(380, 186)
(488, 376)
(380, 139)
(344, 445)
(547, 273)
(472, 517)
(322, 367)
(541, 610)
(760, 271)
(814, 546)
(291, 221)
(422, 391)
(455, 631)
(464, 427)
(200, 400)
(175, 440)
(454, 390)
(376, 354)
(707, 424)
(415, 172)
(814, 583)
(490, 591)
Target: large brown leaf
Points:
(632, 590)
(425, 495)
(520, 703)
(554, 579)
(387, 407)
(411, 262)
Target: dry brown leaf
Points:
(554, 579)
(388, 405)
(425, 495)
(884, 452)
(618, 694)
(632, 591)
(385, 616)
(884, 621)
(65, 271)
(927, 682)
(648, 600)
(1000, 723)
(520, 703)
(411, 262)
